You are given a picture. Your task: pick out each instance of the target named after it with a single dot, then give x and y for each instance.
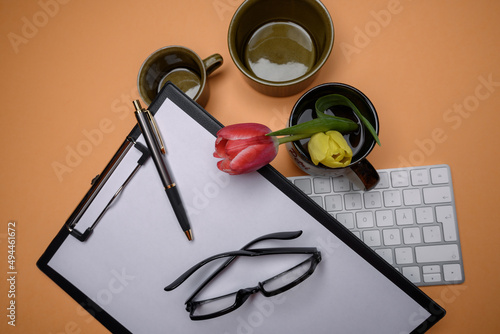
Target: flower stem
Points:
(287, 139)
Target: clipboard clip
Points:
(85, 235)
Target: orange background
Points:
(75, 71)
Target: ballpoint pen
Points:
(155, 144)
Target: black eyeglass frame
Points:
(243, 294)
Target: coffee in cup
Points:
(181, 66)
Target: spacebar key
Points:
(437, 253)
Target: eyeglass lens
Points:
(275, 285)
(289, 277)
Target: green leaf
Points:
(331, 100)
(318, 125)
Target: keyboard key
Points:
(392, 198)
(404, 255)
(436, 195)
(304, 185)
(424, 215)
(404, 217)
(333, 203)
(419, 177)
(386, 254)
(364, 219)
(384, 182)
(412, 273)
(432, 234)
(346, 219)
(437, 253)
(399, 178)
(372, 199)
(411, 235)
(431, 269)
(452, 272)
(439, 175)
(357, 187)
(445, 216)
(384, 218)
(319, 200)
(352, 201)
(412, 197)
(372, 238)
(341, 184)
(322, 185)
(429, 278)
(391, 237)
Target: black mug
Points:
(360, 171)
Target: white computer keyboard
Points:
(409, 219)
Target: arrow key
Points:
(452, 272)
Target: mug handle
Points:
(212, 63)
(363, 175)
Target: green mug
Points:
(181, 66)
(280, 45)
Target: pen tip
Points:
(189, 235)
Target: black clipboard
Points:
(419, 323)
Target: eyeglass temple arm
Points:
(242, 252)
(279, 236)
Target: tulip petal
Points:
(340, 141)
(318, 147)
(220, 148)
(234, 147)
(335, 164)
(243, 131)
(224, 165)
(253, 158)
(330, 162)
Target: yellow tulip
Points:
(330, 148)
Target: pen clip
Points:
(152, 122)
(156, 130)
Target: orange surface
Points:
(69, 69)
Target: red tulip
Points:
(244, 148)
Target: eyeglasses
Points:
(218, 306)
